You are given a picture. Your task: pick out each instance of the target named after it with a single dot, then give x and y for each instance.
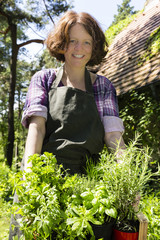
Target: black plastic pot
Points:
(104, 231)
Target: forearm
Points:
(114, 140)
(34, 141)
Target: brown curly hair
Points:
(58, 39)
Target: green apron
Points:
(74, 131)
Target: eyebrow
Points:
(84, 39)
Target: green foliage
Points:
(52, 201)
(47, 61)
(123, 11)
(127, 179)
(150, 207)
(5, 215)
(5, 199)
(152, 47)
(23, 12)
(5, 187)
(141, 113)
(115, 29)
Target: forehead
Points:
(79, 30)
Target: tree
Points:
(123, 11)
(47, 61)
(16, 20)
(3, 108)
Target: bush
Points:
(5, 214)
(150, 207)
(141, 114)
(5, 186)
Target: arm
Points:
(114, 140)
(36, 133)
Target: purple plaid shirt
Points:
(104, 93)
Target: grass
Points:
(4, 219)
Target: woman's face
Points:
(79, 50)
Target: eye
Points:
(72, 41)
(87, 43)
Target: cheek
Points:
(68, 49)
(90, 51)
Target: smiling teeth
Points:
(78, 56)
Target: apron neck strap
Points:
(88, 82)
(58, 78)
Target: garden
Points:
(55, 205)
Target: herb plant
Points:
(126, 180)
(52, 202)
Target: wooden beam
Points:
(143, 226)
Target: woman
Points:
(72, 112)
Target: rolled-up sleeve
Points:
(113, 124)
(37, 96)
(111, 120)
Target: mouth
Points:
(78, 56)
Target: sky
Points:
(102, 10)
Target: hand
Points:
(119, 155)
(136, 203)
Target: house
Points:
(122, 65)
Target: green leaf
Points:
(76, 225)
(112, 212)
(46, 229)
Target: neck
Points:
(74, 74)
(74, 78)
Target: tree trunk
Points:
(13, 65)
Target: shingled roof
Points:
(121, 63)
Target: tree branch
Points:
(48, 12)
(6, 31)
(3, 14)
(30, 41)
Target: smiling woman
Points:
(60, 37)
(71, 112)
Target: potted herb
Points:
(125, 181)
(92, 209)
(39, 197)
(55, 205)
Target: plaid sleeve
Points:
(37, 96)
(105, 97)
(107, 104)
(110, 102)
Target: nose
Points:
(78, 45)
